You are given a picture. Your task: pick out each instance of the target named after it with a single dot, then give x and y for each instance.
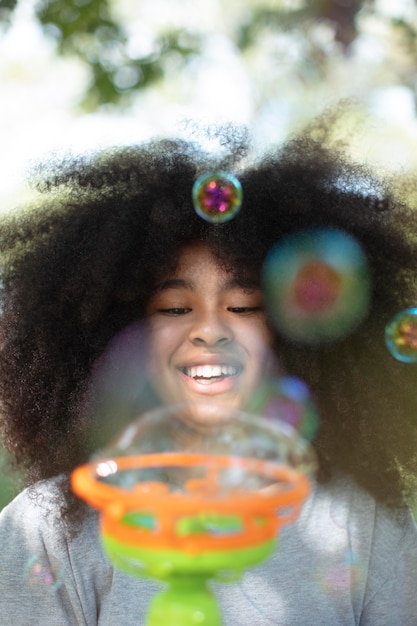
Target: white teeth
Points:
(210, 371)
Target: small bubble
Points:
(217, 197)
(347, 575)
(401, 336)
(287, 399)
(43, 572)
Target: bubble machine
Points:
(191, 494)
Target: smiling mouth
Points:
(208, 374)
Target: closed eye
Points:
(175, 311)
(244, 310)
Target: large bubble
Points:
(207, 429)
(217, 197)
(317, 285)
(126, 381)
(401, 336)
(120, 386)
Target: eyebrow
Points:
(237, 282)
(174, 283)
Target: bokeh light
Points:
(317, 285)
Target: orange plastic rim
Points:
(274, 506)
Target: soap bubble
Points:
(206, 429)
(287, 399)
(317, 285)
(217, 197)
(126, 382)
(346, 576)
(120, 385)
(401, 336)
(43, 572)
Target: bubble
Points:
(401, 336)
(346, 576)
(207, 430)
(289, 400)
(217, 197)
(317, 285)
(120, 385)
(43, 572)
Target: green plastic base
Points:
(187, 602)
(165, 563)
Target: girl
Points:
(115, 240)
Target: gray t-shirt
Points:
(347, 560)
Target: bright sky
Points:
(39, 92)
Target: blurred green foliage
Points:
(88, 30)
(10, 482)
(6, 10)
(341, 15)
(91, 31)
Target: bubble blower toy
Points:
(191, 494)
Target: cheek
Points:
(258, 337)
(259, 345)
(164, 339)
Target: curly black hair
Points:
(79, 265)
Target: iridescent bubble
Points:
(43, 572)
(202, 429)
(120, 385)
(287, 399)
(401, 336)
(217, 197)
(346, 576)
(317, 285)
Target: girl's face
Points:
(208, 333)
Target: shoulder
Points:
(37, 507)
(340, 513)
(384, 538)
(343, 502)
(44, 569)
(33, 509)
(31, 524)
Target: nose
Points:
(211, 330)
